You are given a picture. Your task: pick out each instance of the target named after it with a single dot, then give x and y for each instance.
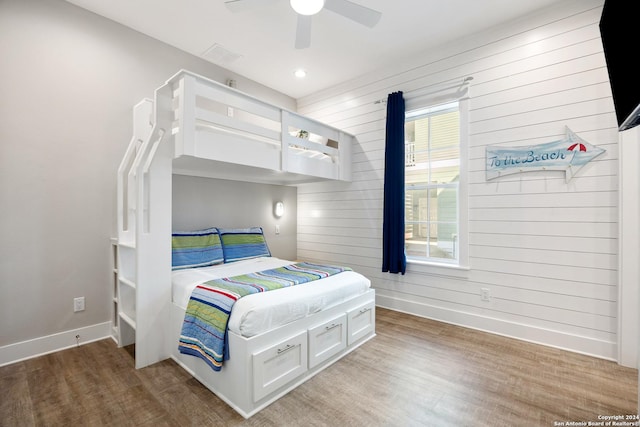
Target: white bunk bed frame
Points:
(196, 126)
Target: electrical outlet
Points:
(78, 304)
(485, 294)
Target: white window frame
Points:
(417, 104)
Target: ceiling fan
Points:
(307, 8)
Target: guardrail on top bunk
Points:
(217, 122)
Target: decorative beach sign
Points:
(569, 155)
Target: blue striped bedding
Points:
(204, 328)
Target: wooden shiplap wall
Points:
(546, 249)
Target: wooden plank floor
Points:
(416, 372)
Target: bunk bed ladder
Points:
(126, 214)
(144, 239)
(142, 126)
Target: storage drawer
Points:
(327, 339)
(278, 365)
(361, 321)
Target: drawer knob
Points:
(333, 325)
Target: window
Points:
(433, 185)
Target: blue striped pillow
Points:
(190, 249)
(243, 243)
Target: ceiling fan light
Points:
(307, 7)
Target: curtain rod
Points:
(418, 92)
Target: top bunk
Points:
(220, 132)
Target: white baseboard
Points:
(533, 334)
(17, 352)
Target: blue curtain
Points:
(394, 259)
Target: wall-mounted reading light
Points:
(278, 209)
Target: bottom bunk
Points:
(279, 339)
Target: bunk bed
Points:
(196, 126)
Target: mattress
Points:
(258, 313)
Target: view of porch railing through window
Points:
(432, 170)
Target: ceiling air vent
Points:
(219, 55)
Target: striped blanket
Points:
(204, 330)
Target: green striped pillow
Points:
(201, 248)
(243, 243)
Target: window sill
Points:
(438, 264)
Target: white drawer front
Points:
(361, 321)
(327, 339)
(278, 365)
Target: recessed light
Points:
(300, 73)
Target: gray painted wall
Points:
(203, 202)
(68, 80)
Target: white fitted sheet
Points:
(258, 313)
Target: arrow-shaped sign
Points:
(569, 154)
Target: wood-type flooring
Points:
(415, 372)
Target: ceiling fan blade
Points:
(303, 32)
(244, 5)
(360, 14)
